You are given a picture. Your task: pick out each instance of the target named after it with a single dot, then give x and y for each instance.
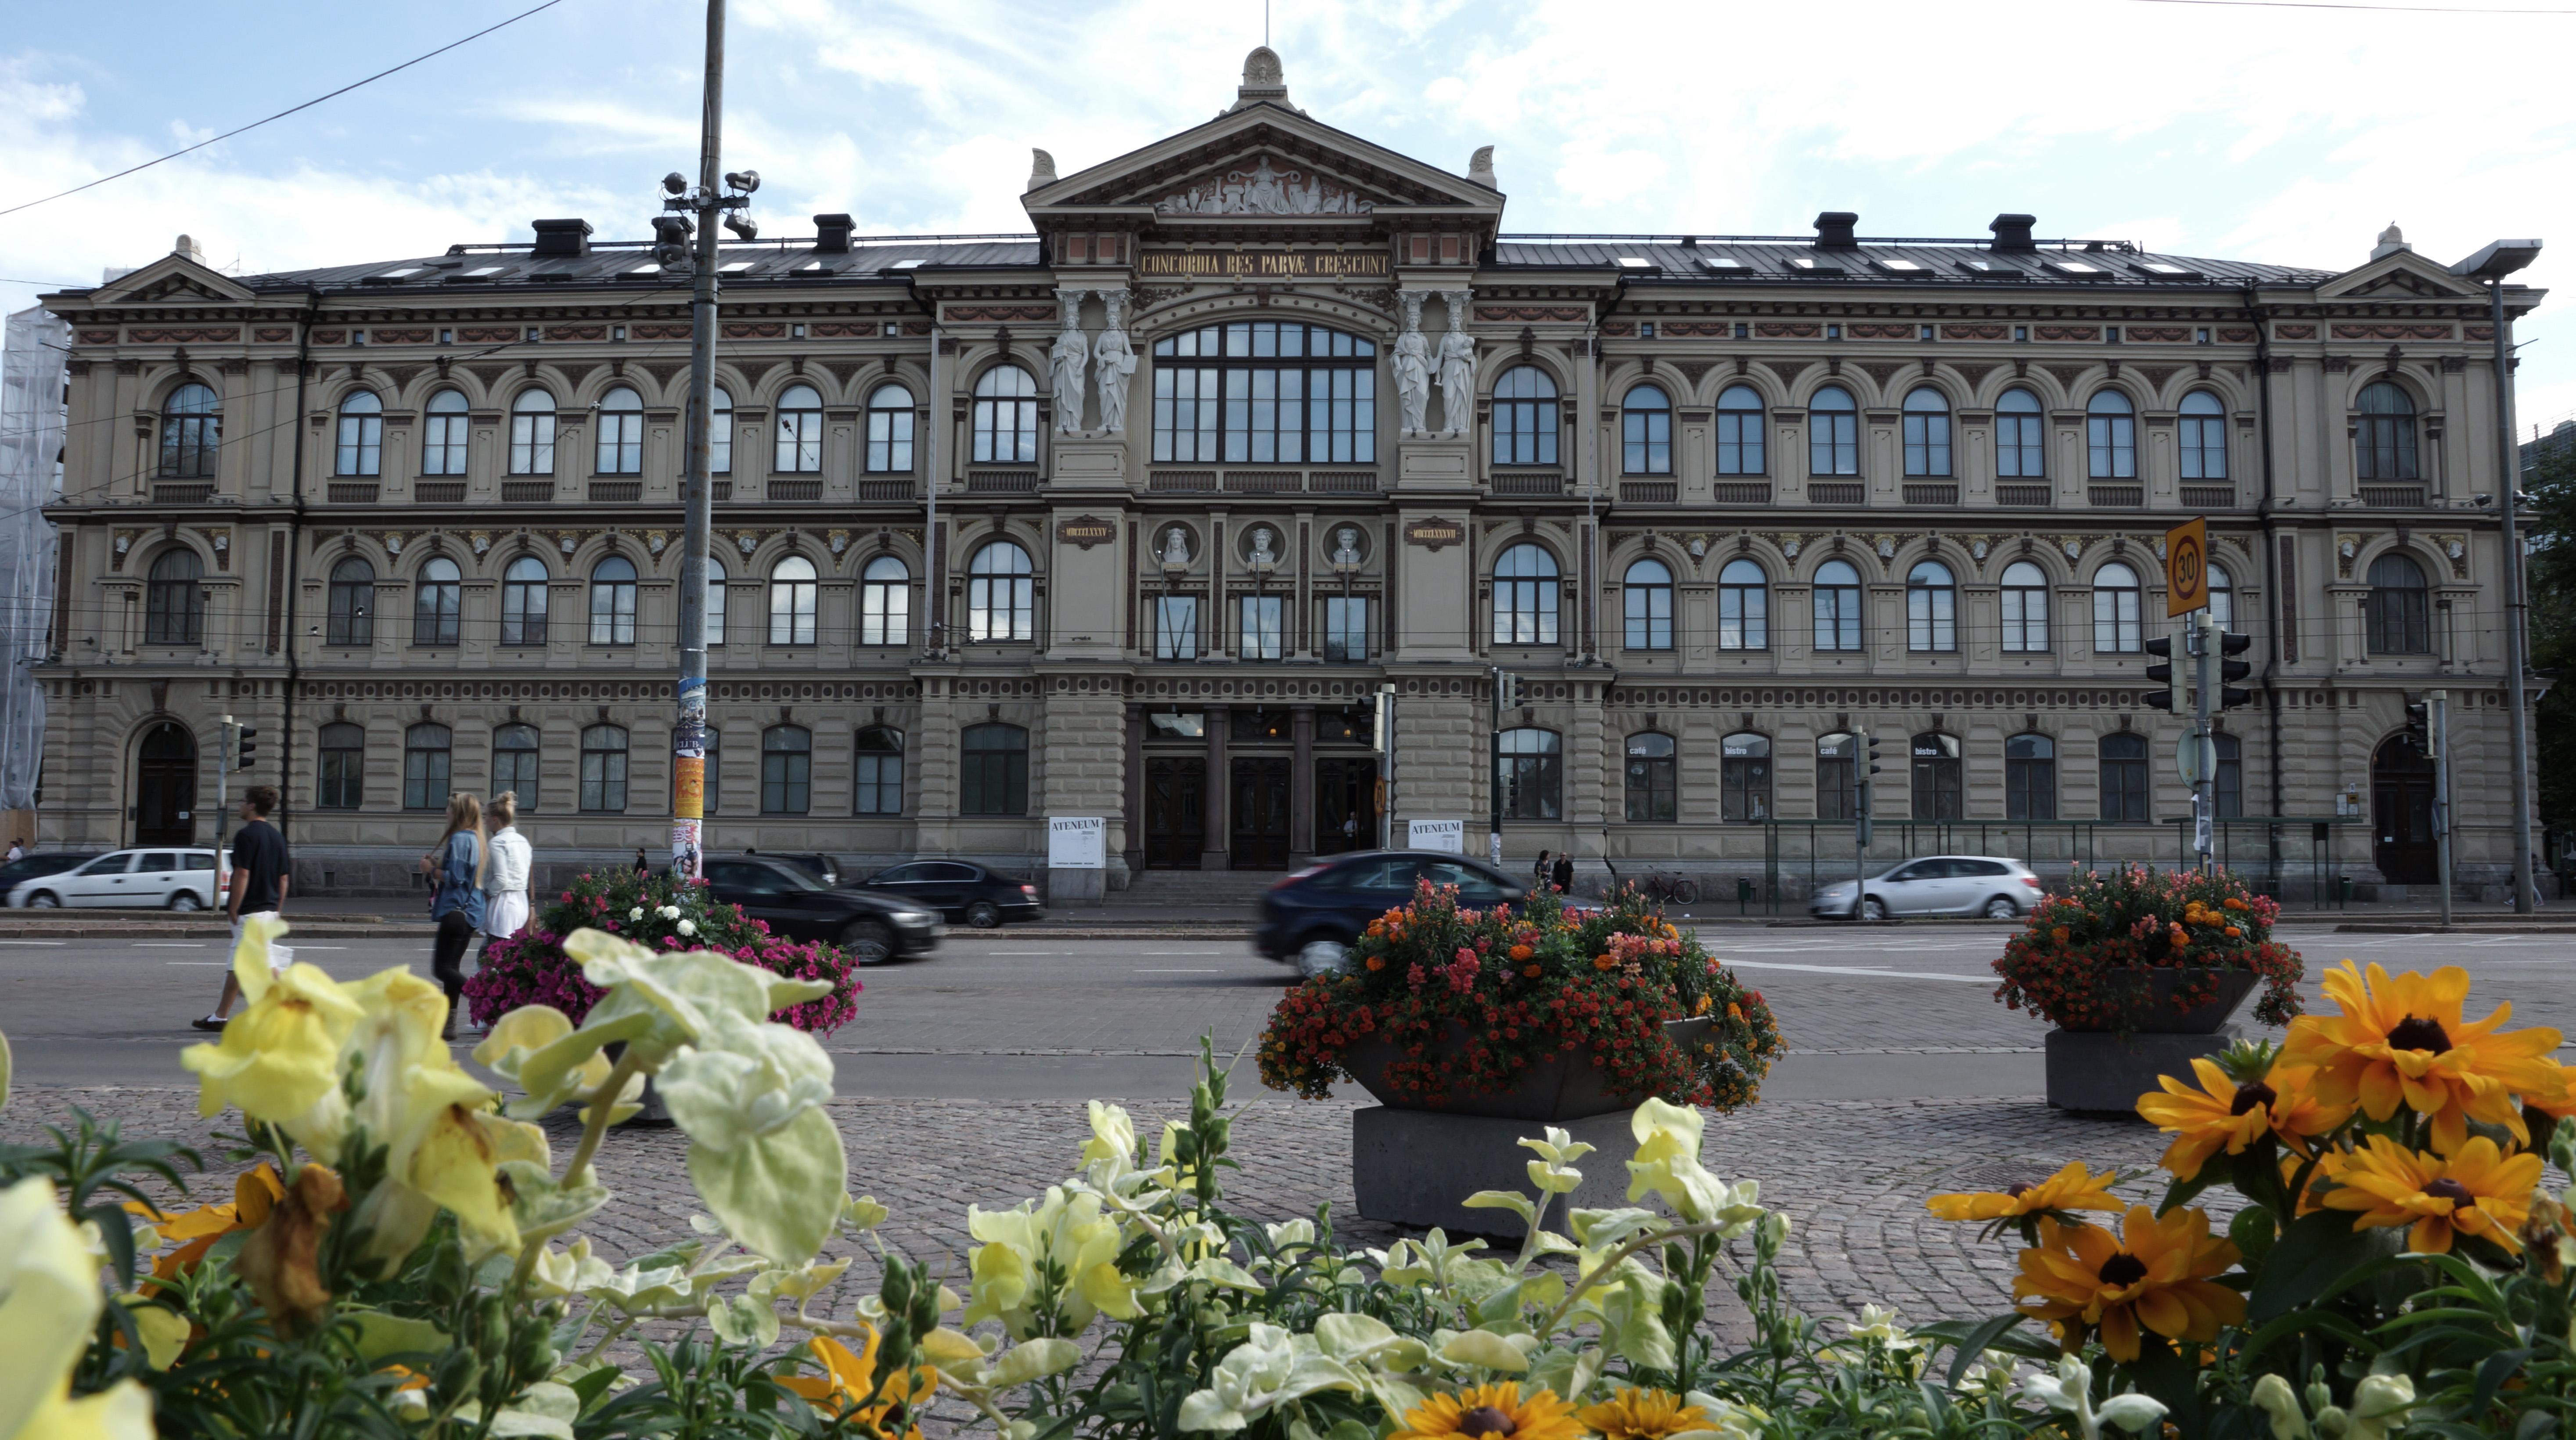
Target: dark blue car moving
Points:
(1309, 919)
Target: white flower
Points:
(688, 927)
(670, 912)
(635, 914)
(2070, 1389)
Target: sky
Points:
(2283, 134)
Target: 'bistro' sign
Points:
(1265, 264)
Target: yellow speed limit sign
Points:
(2187, 567)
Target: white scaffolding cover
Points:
(32, 375)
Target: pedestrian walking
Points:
(17, 850)
(1563, 875)
(1539, 874)
(641, 867)
(505, 882)
(456, 870)
(261, 872)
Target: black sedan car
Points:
(1310, 918)
(960, 890)
(36, 864)
(873, 928)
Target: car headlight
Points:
(914, 917)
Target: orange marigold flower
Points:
(2155, 1276)
(1530, 971)
(2401, 1041)
(2233, 933)
(1734, 1011)
(1604, 962)
(1377, 962)
(2233, 903)
(1522, 952)
(2061, 934)
(2224, 1114)
(2179, 937)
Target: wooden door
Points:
(1345, 804)
(1260, 834)
(2401, 814)
(165, 787)
(1175, 813)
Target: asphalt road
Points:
(1883, 1013)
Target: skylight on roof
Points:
(399, 274)
(2163, 270)
(735, 267)
(903, 265)
(1721, 262)
(1995, 269)
(486, 270)
(1813, 266)
(2074, 267)
(1631, 262)
(1905, 267)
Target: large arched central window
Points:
(1525, 405)
(1931, 608)
(2021, 443)
(1837, 600)
(1739, 432)
(435, 602)
(1000, 603)
(362, 435)
(621, 432)
(2397, 609)
(1649, 594)
(1646, 431)
(2111, 436)
(792, 591)
(799, 429)
(1927, 434)
(1833, 433)
(1006, 416)
(890, 431)
(1525, 586)
(1265, 392)
(192, 432)
(353, 603)
(174, 609)
(1529, 774)
(1743, 607)
(2383, 443)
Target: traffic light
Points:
(2171, 697)
(1873, 753)
(1507, 690)
(2419, 725)
(2231, 671)
(246, 749)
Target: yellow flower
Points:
(2402, 1041)
(2223, 1114)
(2074, 1188)
(847, 1387)
(1492, 1410)
(1065, 1232)
(49, 1306)
(280, 1055)
(2477, 1190)
(2155, 1275)
(1642, 1415)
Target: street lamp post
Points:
(2499, 259)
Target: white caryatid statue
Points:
(1067, 360)
(1457, 368)
(1176, 548)
(1346, 549)
(1412, 366)
(1114, 362)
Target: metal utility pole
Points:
(1386, 767)
(1864, 765)
(2204, 757)
(223, 765)
(2491, 264)
(1504, 684)
(2438, 717)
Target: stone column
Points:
(1133, 840)
(1301, 786)
(1212, 854)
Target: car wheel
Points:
(1873, 909)
(44, 900)
(983, 914)
(868, 942)
(186, 900)
(2002, 908)
(1318, 958)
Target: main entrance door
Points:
(1345, 804)
(165, 787)
(2401, 814)
(1175, 813)
(1260, 834)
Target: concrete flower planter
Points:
(2101, 1072)
(1569, 1087)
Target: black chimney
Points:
(832, 234)
(562, 237)
(1834, 230)
(2012, 232)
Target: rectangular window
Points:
(603, 781)
(1739, 442)
(1346, 632)
(1176, 627)
(1260, 399)
(2030, 789)
(2025, 619)
(2124, 790)
(1743, 617)
(1833, 442)
(1261, 628)
(1837, 617)
(880, 785)
(1931, 618)
(1927, 446)
(2020, 449)
(2115, 622)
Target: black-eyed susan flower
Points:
(1492, 1412)
(2478, 1190)
(2401, 1041)
(2073, 1188)
(2224, 1114)
(2155, 1275)
(1642, 1415)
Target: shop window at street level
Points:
(342, 774)
(877, 771)
(1529, 774)
(1937, 779)
(427, 752)
(786, 770)
(994, 770)
(2030, 778)
(1744, 778)
(2124, 778)
(1652, 780)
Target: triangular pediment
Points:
(2399, 275)
(175, 278)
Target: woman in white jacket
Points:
(505, 884)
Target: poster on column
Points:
(1449, 835)
(1077, 842)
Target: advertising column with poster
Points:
(1077, 859)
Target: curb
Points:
(2473, 927)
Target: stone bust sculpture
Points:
(1176, 546)
(1346, 550)
(1261, 552)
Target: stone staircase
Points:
(1240, 889)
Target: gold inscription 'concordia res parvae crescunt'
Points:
(1264, 264)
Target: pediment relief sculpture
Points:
(1262, 188)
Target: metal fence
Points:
(2292, 858)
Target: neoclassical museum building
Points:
(1137, 515)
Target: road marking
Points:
(321, 947)
(1854, 970)
(1182, 952)
(1028, 952)
(1208, 971)
(35, 942)
(196, 962)
(169, 945)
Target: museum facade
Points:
(1138, 516)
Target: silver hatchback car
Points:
(1996, 888)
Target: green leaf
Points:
(2254, 1234)
(777, 1193)
(2498, 1368)
(4, 1072)
(2314, 1252)
(1973, 1344)
(2164, 1375)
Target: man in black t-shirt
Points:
(260, 877)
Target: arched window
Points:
(603, 769)
(2399, 615)
(2111, 436)
(1529, 775)
(1936, 776)
(1739, 432)
(174, 609)
(1833, 433)
(1927, 434)
(1743, 607)
(1837, 777)
(1837, 598)
(995, 763)
(890, 430)
(612, 601)
(792, 592)
(1525, 595)
(2204, 437)
(2124, 777)
(800, 431)
(523, 603)
(885, 602)
(442, 447)
(435, 601)
(1006, 416)
(2116, 601)
(362, 435)
(1000, 594)
(352, 618)
(2030, 777)
(719, 431)
(428, 749)
(1265, 392)
(1525, 411)
(1931, 608)
(342, 783)
(192, 433)
(1744, 778)
(514, 765)
(532, 433)
(2222, 597)
(2383, 442)
(878, 772)
(2021, 441)
(621, 432)
(716, 577)
(1650, 606)
(2227, 787)
(2025, 606)
(1646, 430)
(1653, 785)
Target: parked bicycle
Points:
(1669, 889)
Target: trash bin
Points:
(1743, 896)
(2343, 892)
